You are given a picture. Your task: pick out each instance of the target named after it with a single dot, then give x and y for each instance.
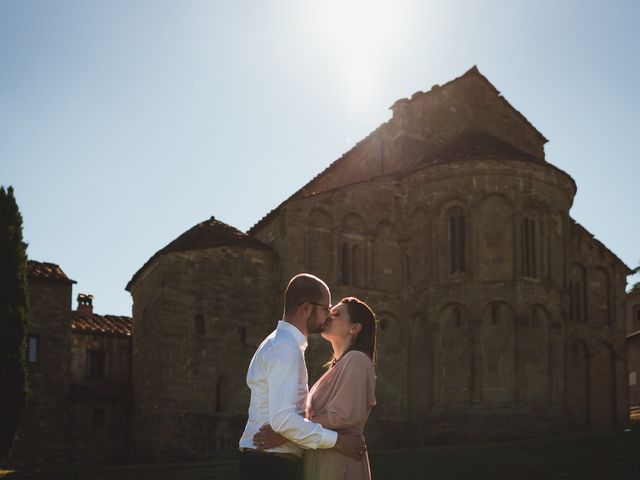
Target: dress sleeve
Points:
(353, 393)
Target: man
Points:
(277, 377)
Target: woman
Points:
(343, 397)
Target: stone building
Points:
(500, 316)
(79, 373)
(633, 351)
(43, 436)
(201, 306)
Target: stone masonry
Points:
(500, 316)
(201, 307)
(633, 350)
(43, 435)
(79, 373)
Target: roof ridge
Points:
(206, 234)
(473, 71)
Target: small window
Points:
(95, 364)
(637, 307)
(530, 254)
(32, 349)
(457, 241)
(200, 324)
(632, 379)
(97, 418)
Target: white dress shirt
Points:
(277, 377)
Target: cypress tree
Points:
(13, 320)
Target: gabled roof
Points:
(101, 324)
(475, 72)
(488, 144)
(207, 234)
(46, 271)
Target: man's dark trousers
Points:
(255, 465)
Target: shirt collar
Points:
(301, 340)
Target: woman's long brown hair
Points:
(360, 312)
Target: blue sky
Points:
(125, 122)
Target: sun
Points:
(358, 33)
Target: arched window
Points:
(530, 247)
(457, 240)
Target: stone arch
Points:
(319, 243)
(390, 365)
(578, 386)
(418, 217)
(353, 223)
(386, 258)
(603, 385)
(419, 248)
(320, 219)
(452, 201)
(493, 221)
(496, 352)
(453, 357)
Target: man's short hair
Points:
(303, 287)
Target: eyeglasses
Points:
(326, 308)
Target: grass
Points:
(606, 454)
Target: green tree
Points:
(13, 320)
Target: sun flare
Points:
(358, 33)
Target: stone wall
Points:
(493, 339)
(100, 405)
(596, 357)
(43, 436)
(633, 346)
(198, 318)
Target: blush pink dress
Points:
(346, 394)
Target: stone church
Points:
(500, 316)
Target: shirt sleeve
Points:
(284, 364)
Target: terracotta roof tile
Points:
(480, 144)
(103, 324)
(207, 234)
(46, 271)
